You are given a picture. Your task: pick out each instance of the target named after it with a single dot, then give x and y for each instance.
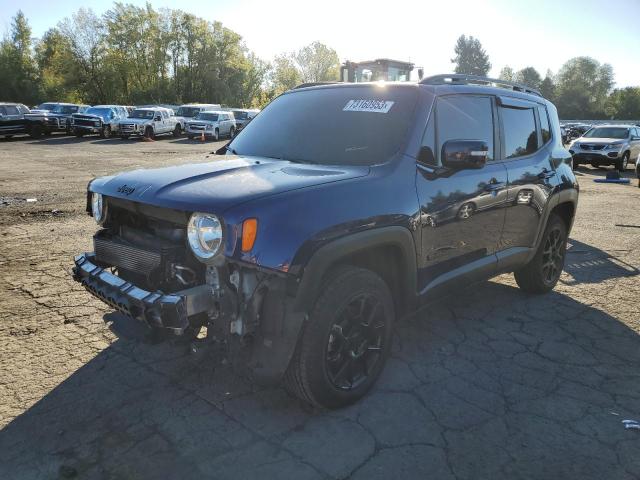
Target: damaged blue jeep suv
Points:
(337, 210)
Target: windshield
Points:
(46, 106)
(341, 126)
(188, 111)
(607, 132)
(65, 109)
(212, 117)
(142, 114)
(101, 112)
(240, 115)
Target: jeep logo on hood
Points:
(126, 189)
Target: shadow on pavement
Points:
(491, 384)
(587, 264)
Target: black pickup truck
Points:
(55, 119)
(16, 119)
(12, 119)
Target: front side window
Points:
(354, 125)
(464, 117)
(520, 136)
(12, 110)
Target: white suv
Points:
(212, 124)
(150, 121)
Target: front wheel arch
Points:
(372, 250)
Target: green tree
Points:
(317, 63)
(285, 74)
(529, 76)
(548, 86)
(507, 74)
(18, 71)
(582, 87)
(624, 104)
(470, 57)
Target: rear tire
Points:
(542, 273)
(232, 133)
(78, 134)
(346, 342)
(124, 137)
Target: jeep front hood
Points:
(216, 186)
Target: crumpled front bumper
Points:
(168, 311)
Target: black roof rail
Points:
(313, 84)
(464, 79)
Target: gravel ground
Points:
(498, 385)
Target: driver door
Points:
(461, 212)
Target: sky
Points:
(519, 33)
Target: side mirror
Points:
(158, 118)
(464, 154)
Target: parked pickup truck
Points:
(56, 119)
(12, 121)
(100, 119)
(149, 122)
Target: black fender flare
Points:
(568, 196)
(337, 250)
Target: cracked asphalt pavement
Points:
(490, 383)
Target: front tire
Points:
(622, 164)
(106, 132)
(177, 132)
(148, 133)
(346, 342)
(232, 133)
(542, 273)
(35, 131)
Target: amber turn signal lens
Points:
(249, 232)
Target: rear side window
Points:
(464, 117)
(544, 124)
(520, 136)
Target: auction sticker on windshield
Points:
(364, 105)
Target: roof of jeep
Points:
(436, 90)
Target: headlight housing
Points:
(98, 208)
(613, 146)
(205, 235)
